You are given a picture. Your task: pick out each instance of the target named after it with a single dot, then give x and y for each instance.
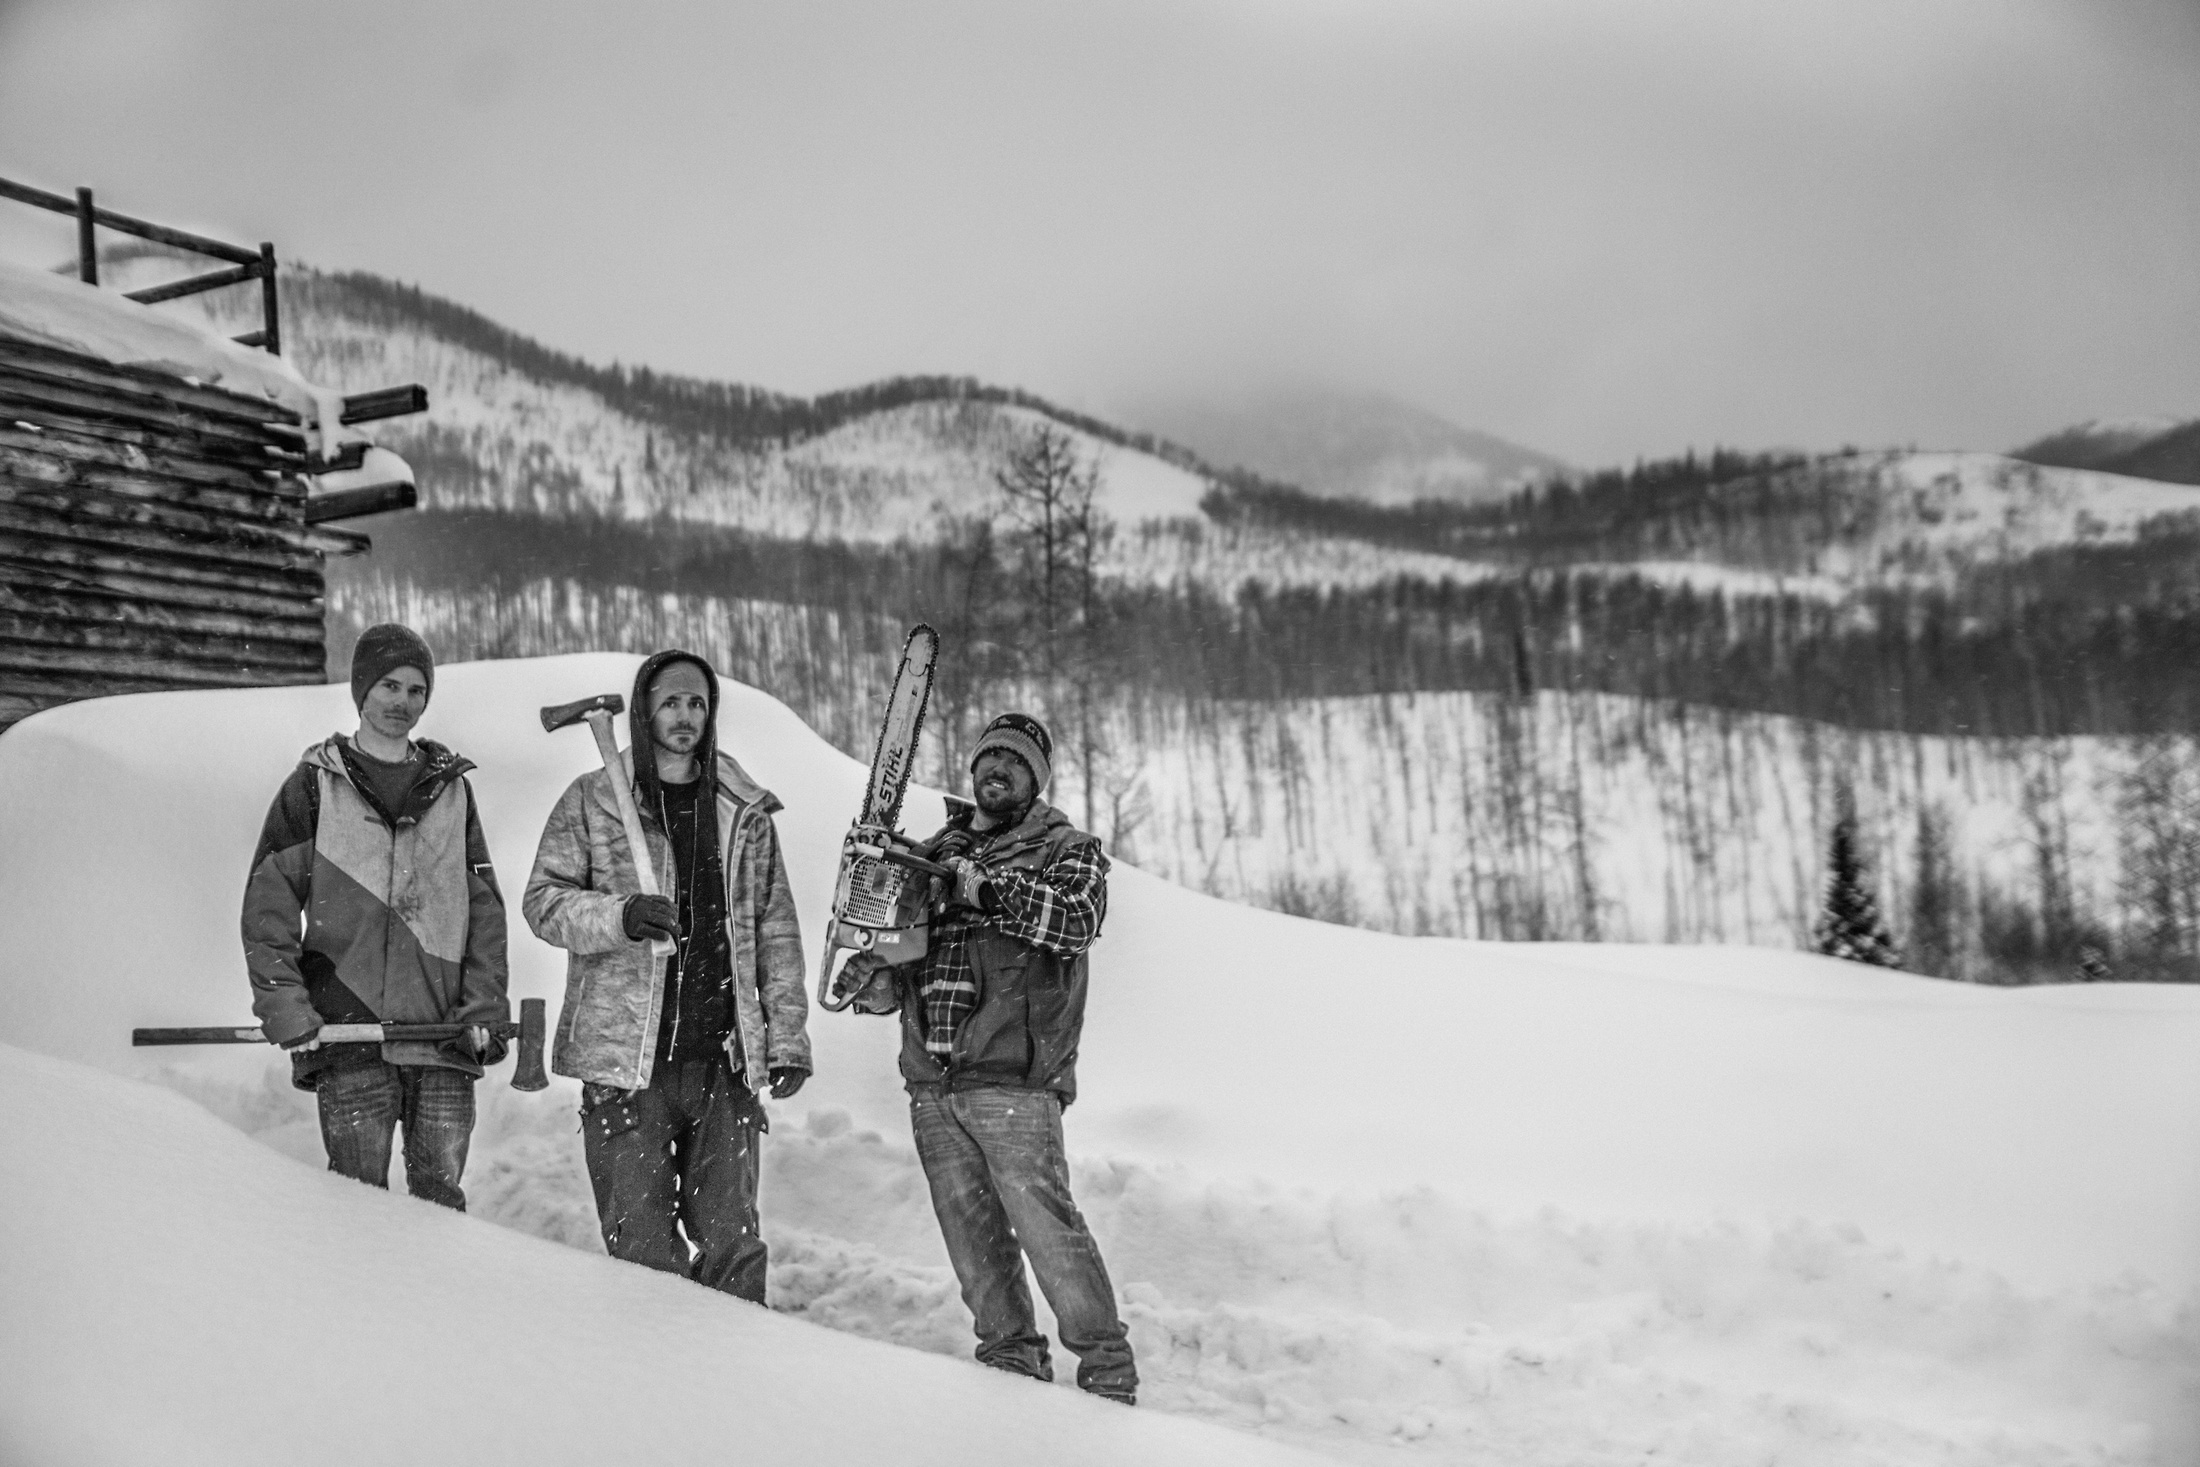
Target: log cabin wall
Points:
(153, 535)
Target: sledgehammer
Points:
(526, 1072)
(599, 711)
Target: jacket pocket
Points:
(608, 1112)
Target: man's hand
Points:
(787, 1079)
(969, 879)
(648, 917)
(954, 843)
(856, 973)
(305, 1043)
(478, 1036)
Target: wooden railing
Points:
(245, 264)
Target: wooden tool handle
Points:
(607, 744)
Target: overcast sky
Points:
(1601, 230)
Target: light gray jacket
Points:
(614, 989)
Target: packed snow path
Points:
(1477, 1202)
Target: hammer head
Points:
(556, 718)
(527, 1073)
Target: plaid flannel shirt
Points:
(1057, 907)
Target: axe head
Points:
(556, 718)
(527, 1071)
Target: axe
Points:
(599, 711)
(527, 1073)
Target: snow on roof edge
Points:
(55, 311)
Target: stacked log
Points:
(153, 535)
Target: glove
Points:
(855, 974)
(970, 879)
(954, 843)
(647, 917)
(787, 1079)
(305, 1043)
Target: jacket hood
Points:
(443, 765)
(731, 780)
(648, 790)
(443, 762)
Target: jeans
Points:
(1000, 1187)
(680, 1156)
(362, 1104)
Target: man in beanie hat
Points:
(374, 843)
(990, 1018)
(673, 1055)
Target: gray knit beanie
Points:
(1025, 737)
(382, 648)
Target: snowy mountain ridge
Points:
(498, 437)
(1355, 445)
(1921, 517)
(2156, 447)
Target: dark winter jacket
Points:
(403, 922)
(1027, 956)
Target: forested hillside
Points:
(1614, 704)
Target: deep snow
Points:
(196, 1298)
(1478, 1202)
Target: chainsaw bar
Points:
(895, 757)
(880, 898)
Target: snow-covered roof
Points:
(53, 310)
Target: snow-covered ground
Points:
(1365, 1194)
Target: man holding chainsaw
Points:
(990, 1018)
(375, 844)
(674, 1052)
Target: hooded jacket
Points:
(614, 988)
(403, 922)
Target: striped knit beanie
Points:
(1025, 737)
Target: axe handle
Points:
(607, 744)
(330, 1033)
(529, 1031)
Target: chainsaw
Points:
(882, 897)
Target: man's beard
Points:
(998, 799)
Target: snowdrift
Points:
(1357, 1190)
(270, 1314)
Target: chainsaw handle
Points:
(900, 857)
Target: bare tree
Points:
(2158, 856)
(1051, 491)
(1936, 900)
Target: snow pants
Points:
(675, 1167)
(363, 1104)
(1000, 1187)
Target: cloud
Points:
(1600, 229)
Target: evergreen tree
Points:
(1850, 926)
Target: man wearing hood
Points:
(374, 843)
(990, 1020)
(673, 1054)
